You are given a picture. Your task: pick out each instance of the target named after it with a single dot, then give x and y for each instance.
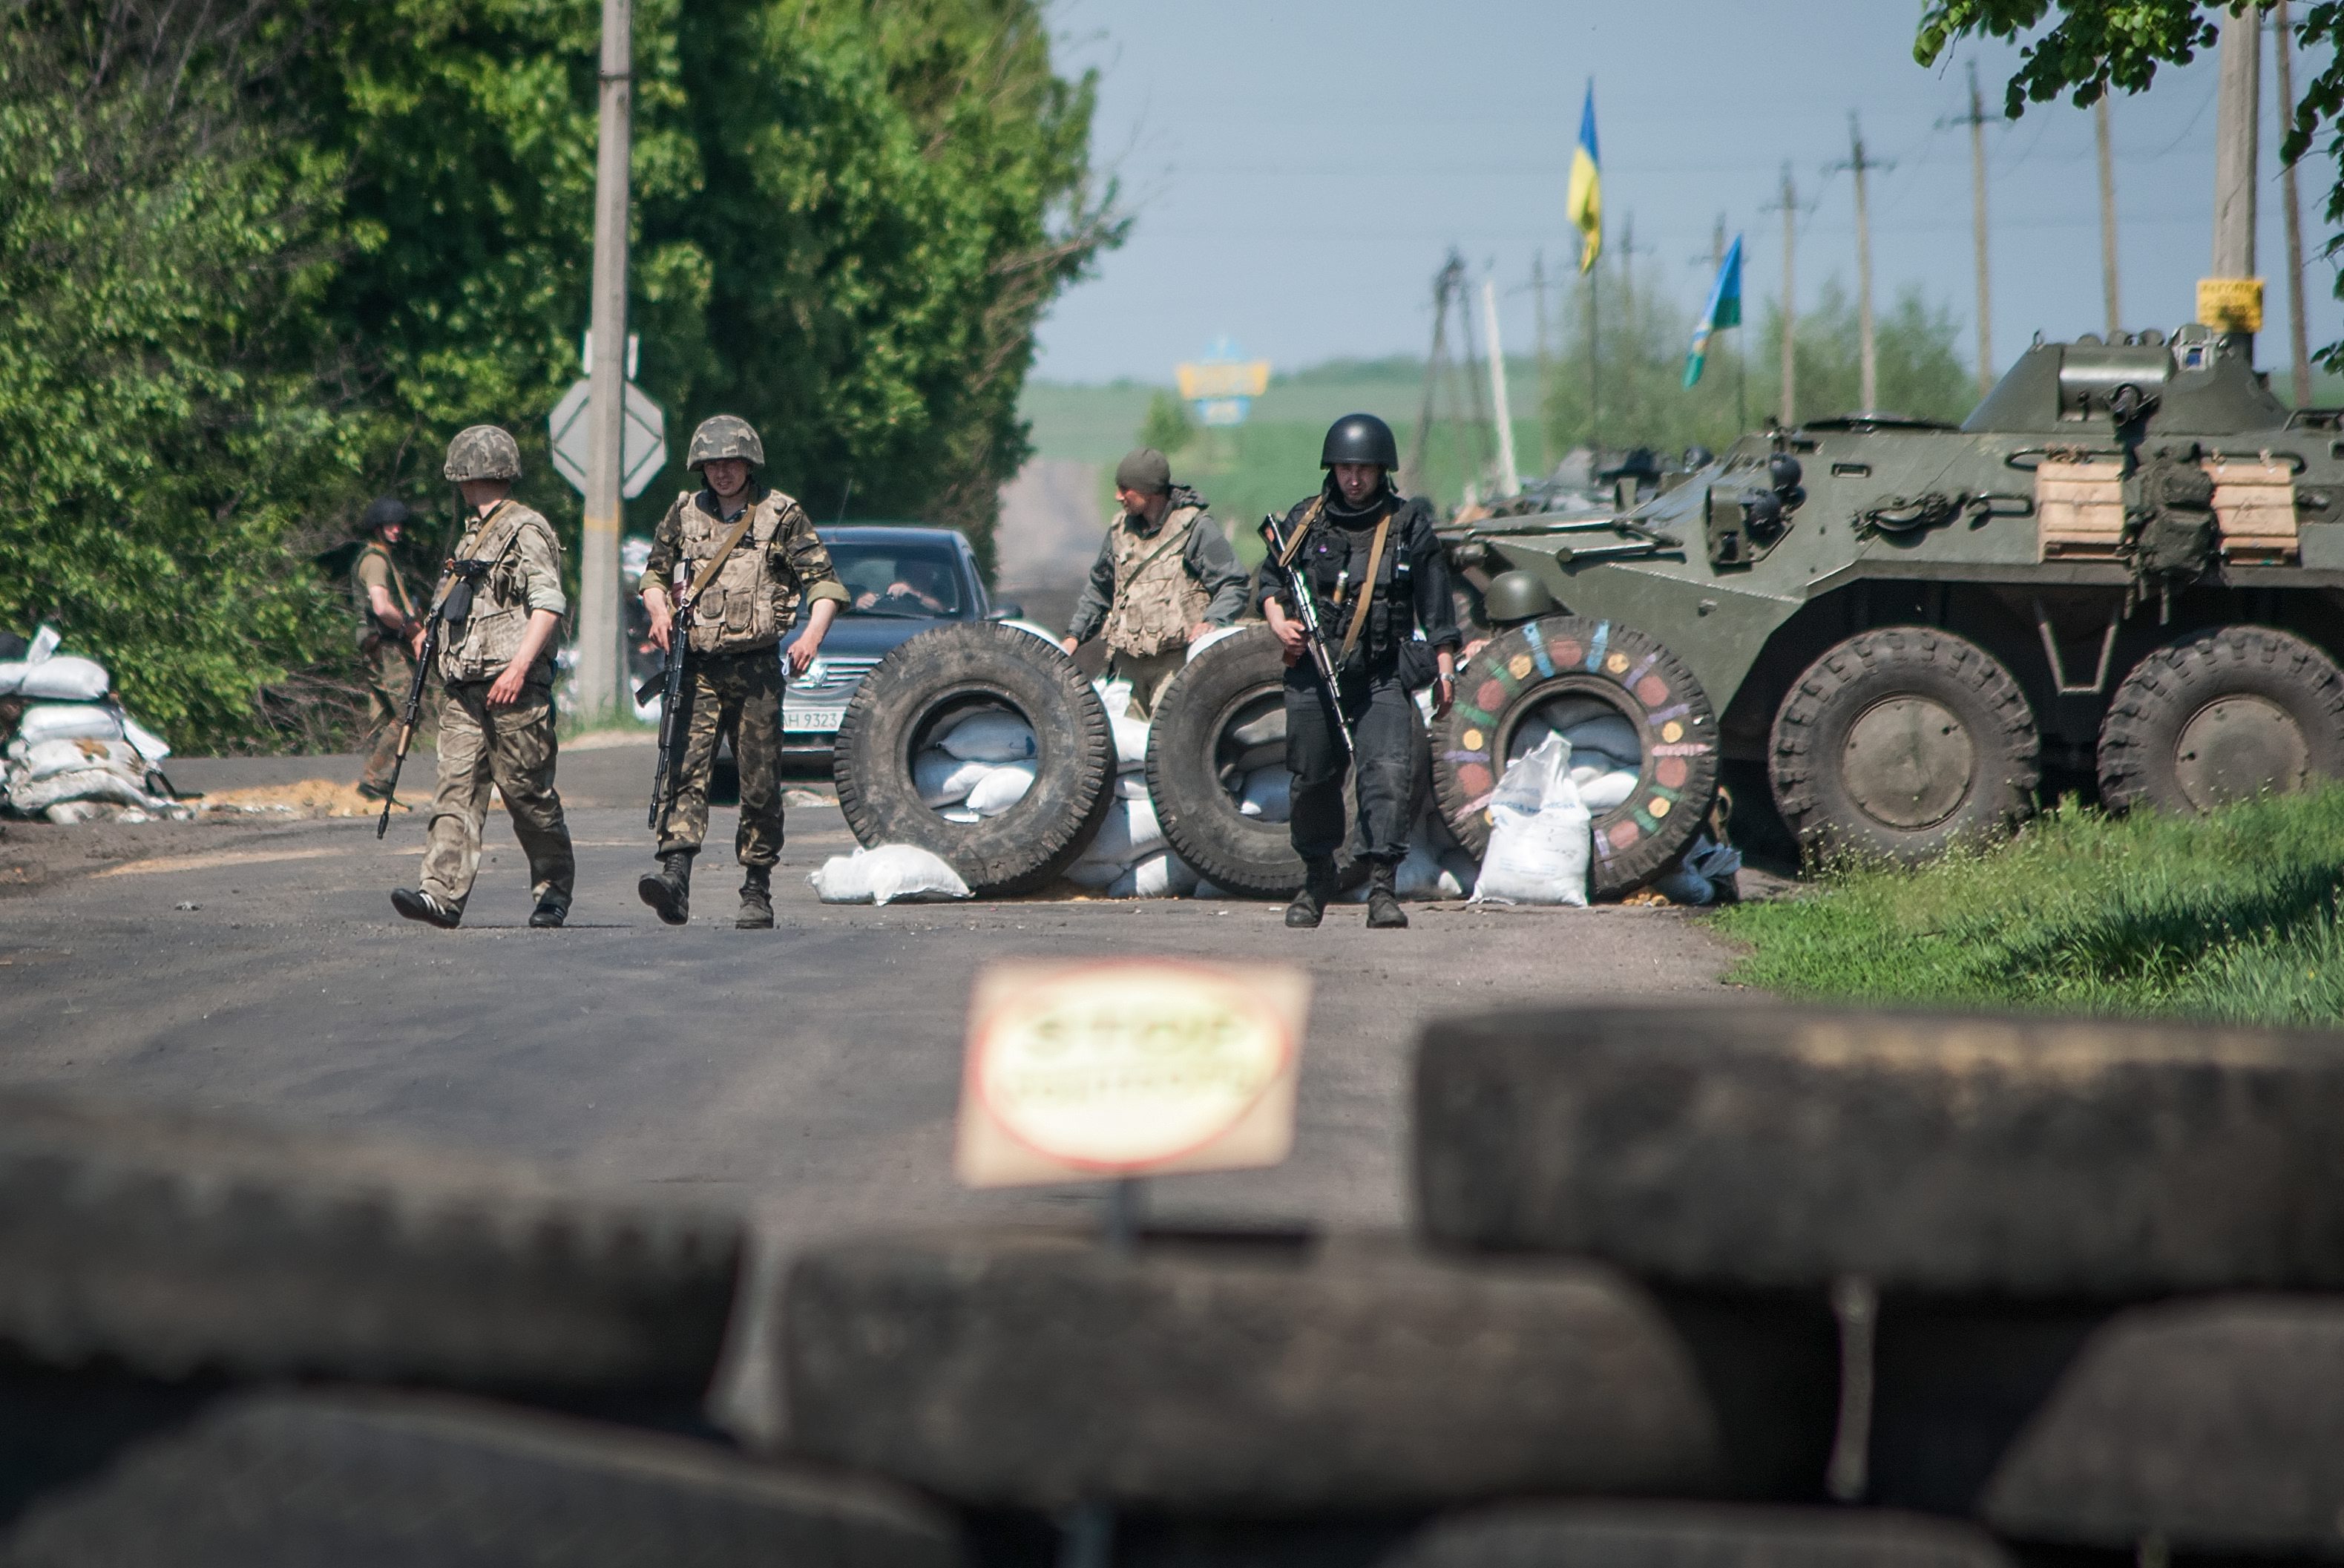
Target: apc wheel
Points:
(936, 678)
(2220, 716)
(1565, 668)
(1901, 742)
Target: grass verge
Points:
(2231, 917)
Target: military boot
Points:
(1384, 913)
(756, 898)
(1319, 887)
(669, 890)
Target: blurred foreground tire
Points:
(391, 1480)
(1695, 1536)
(1784, 1147)
(1236, 1378)
(176, 1246)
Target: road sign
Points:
(2231, 304)
(643, 451)
(1222, 386)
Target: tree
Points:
(2098, 46)
(1168, 427)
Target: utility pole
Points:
(2281, 52)
(1867, 345)
(2108, 217)
(2235, 145)
(1627, 268)
(1545, 360)
(1509, 477)
(1411, 473)
(600, 669)
(1977, 120)
(1788, 415)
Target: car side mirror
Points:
(1006, 611)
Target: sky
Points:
(1300, 168)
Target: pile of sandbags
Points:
(1130, 858)
(73, 754)
(1606, 758)
(978, 765)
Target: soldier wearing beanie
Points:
(388, 634)
(1165, 576)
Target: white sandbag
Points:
(12, 676)
(1216, 634)
(1602, 789)
(1130, 833)
(1131, 786)
(1096, 875)
(891, 872)
(44, 643)
(63, 679)
(1268, 795)
(1163, 875)
(45, 758)
(942, 779)
(1528, 736)
(1114, 696)
(990, 735)
(69, 721)
(99, 784)
(151, 746)
(1539, 841)
(960, 815)
(1001, 788)
(1611, 734)
(1130, 742)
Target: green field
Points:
(2231, 917)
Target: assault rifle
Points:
(454, 604)
(667, 776)
(1296, 586)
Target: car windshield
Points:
(914, 581)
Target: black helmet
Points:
(1360, 439)
(384, 512)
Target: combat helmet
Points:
(483, 451)
(725, 435)
(1360, 439)
(383, 511)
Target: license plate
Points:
(812, 718)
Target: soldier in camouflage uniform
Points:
(1164, 577)
(496, 714)
(733, 681)
(388, 629)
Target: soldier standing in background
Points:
(1165, 576)
(496, 713)
(749, 554)
(1376, 574)
(387, 632)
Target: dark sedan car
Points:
(901, 580)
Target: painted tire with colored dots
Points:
(1562, 670)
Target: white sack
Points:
(151, 746)
(43, 646)
(942, 779)
(1539, 841)
(886, 875)
(1209, 638)
(1131, 786)
(69, 721)
(1001, 788)
(1163, 875)
(84, 784)
(1114, 696)
(1130, 742)
(1130, 833)
(960, 815)
(1096, 875)
(63, 679)
(1603, 789)
(1268, 795)
(45, 758)
(990, 736)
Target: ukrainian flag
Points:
(1586, 204)
(1725, 310)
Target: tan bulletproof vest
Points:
(1155, 600)
(491, 634)
(747, 606)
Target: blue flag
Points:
(1725, 310)
(1584, 205)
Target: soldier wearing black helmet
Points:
(749, 554)
(388, 631)
(1381, 586)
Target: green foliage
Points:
(2229, 916)
(1168, 427)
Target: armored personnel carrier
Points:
(2124, 566)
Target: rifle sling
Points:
(723, 554)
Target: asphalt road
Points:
(808, 1074)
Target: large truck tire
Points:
(1695, 1536)
(1236, 1378)
(2220, 716)
(1900, 743)
(935, 680)
(1787, 1148)
(1563, 670)
(377, 1480)
(2214, 1425)
(179, 1245)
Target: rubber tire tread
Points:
(2158, 695)
(1784, 1147)
(1608, 1534)
(1527, 665)
(178, 1245)
(1027, 847)
(1836, 689)
(377, 1480)
(1238, 1378)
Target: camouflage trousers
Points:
(740, 695)
(389, 671)
(513, 749)
(1148, 673)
